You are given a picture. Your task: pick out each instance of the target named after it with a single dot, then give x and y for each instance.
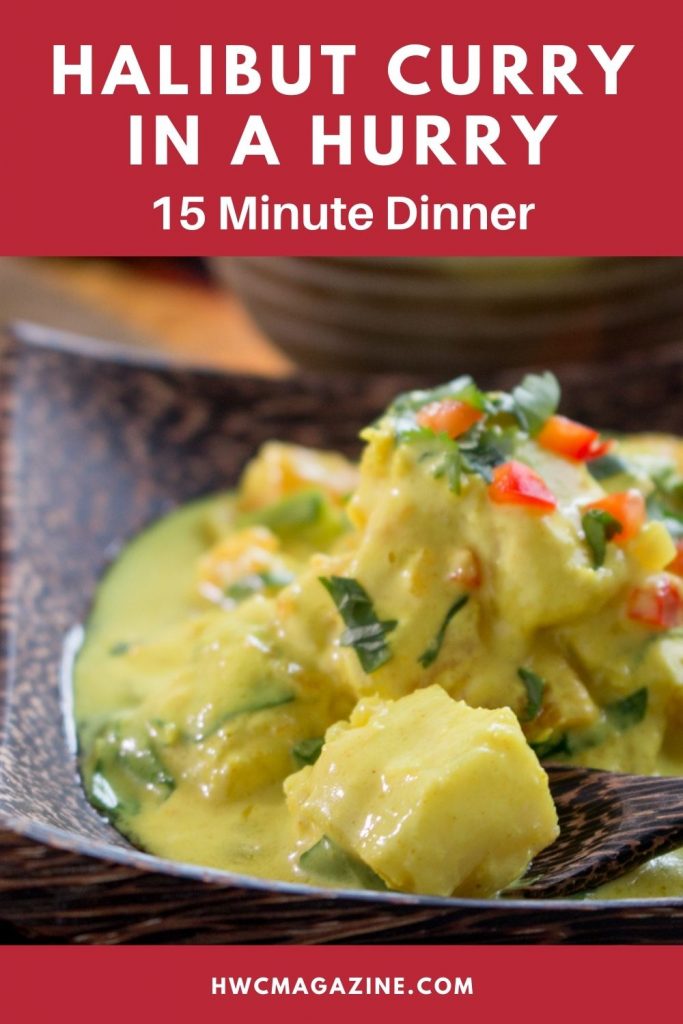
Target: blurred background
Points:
(434, 317)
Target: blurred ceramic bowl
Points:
(446, 315)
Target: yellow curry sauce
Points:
(487, 551)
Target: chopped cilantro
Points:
(534, 686)
(365, 632)
(489, 442)
(245, 587)
(618, 716)
(606, 467)
(623, 714)
(531, 403)
(441, 451)
(465, 390)
(483, 449)
(113, 798)
(599, 527)
(535, 400)
(293, 513)
(104, 798)
(550, 747)
(452, 469)
(307, 751)
(669, 484)
(666, 501)
(277, 577)
(255, 582)
(402, 413)
(461, 388)
(570, 742)
(135, 753)
(126, 763)
(672, 520)
(146, 765)
(449, 466)
(478, 451)
(329, 861)
(270, 693)
(118, 650)
(429, 656)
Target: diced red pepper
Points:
(677, 565)
(599, 449)
(659, 604)
(449, 417)
(514, 483)
(628, 508)
(571, 439)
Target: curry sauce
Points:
(486, 551)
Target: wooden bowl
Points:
(95, 448)
(459, 315)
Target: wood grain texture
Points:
(192, 321)
(609, 823)
(49, 895)
(91, 452)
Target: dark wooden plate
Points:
(92, 450)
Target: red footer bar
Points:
(329, 984)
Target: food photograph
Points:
(342, 600)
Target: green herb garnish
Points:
(133, 752)
(245, 587)
(570, 742)
(625, 713)
(277, 578)
(270, 694)
(329, 861)
(531, 403)
(146, 765)
(429, 656)
(309, 517)
(105, 799)
(307, 751)
(290, 514)
(124, 765)
(119, 649)
(478, 451)
(550, 747)
(618, 717)
(666, 501)
(449, 467)
(254, 583)
(442, 450)
(671, 519)
(599, 527)
(535, 400)
(606, 467)
(669, 485)
(402, 410)
(365, 632)
(483, 449)
(534, 686)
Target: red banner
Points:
(463, 983)
(156, 128)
